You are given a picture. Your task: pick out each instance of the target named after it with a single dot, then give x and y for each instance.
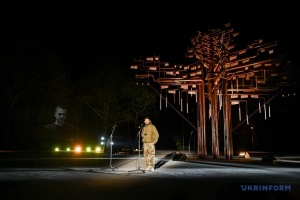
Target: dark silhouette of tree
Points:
(113, 95)
(139, 100)
(100, 89)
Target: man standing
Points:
(59, 133)
(149, 137)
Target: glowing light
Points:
(244, 155)
(98, 149)
(149, 58)
(153, 68)
(56, 149)
(78, 149)
(133, 67)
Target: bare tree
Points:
(115, 98)
(140, 100)
(100, 91)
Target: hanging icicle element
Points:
(174, 97)
(166, 98)
(265, 111)
(160, 98)
(220, 101)
(247, 113)
(181, 105)
(269, 110)
(240, 116)
(187, 103)
(209, 110)
(181, 101)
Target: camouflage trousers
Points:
(149, 154)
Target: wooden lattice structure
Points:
(219, 76)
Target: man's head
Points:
(147, 120)
(60, 114)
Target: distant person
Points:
(59, 133)
(149, 137)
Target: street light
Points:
(102, 142)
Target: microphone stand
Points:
(138, 168)
(111, 143)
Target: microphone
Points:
(140, 126)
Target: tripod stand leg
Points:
(113, 168)
(138, 168)
(142, 170)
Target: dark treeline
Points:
(34, 80)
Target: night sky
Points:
(117, 32)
